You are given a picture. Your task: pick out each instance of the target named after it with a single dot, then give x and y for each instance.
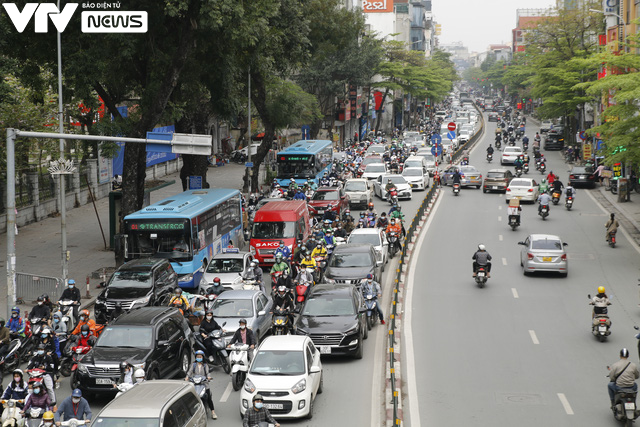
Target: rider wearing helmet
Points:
(216, 287)
(283, 299)
(39, 398)
(126, 373)
(51, 344)
(138, 376)
(600, 302)
(59, 327)
(47, 419)
(284, 251)
(207, 326)
(279, 265)
(319, 251)
(244, 335)
(543, 187)
(16, 323)
(284, 280)
(72, 293)
(87, 339)
(257, 413)
(84, 319)
(481, 258)
(199, 368)
(390, 186)
(254, 272)
(17, 388)
(178, 300)
(623, 374)
(40, 311)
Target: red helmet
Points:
(216, 280)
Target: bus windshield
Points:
(161, 239)
(299, 166)
(273, 230)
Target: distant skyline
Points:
(476, 24)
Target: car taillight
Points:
(590, 176)
(563, 257)
(508, 189)
(480, 176)
(530, 190)
(571, 176)
(529, 255)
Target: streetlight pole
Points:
(620, 20)
(63, 202)
(249, 125)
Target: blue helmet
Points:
(15, 310)
(200, 352)
(71, 282)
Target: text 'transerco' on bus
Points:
(188, 229)
(303, 160)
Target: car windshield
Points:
(396, 179)
(328, 305)
(375, 167)
(278, 362)
(232, 308)
(582, 170)
(495, 175)
(370, 160)
(355, 186)
(412, 172)
(468, 169)
(346, 260)
(233, 265)
(273, 230)
(366, 238)
(548, 244)
(520, 183)
(512, 150)
(376, 149)
(126, 336)
(326, 195)
(127, 422)
(130, 279)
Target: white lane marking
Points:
(504, 261)
(500, 237)
(378, 364)
(414, 408)
(499, 207)
(565, 404)
(514, 291)
(534, 338)
(226, 394)
(499, 218)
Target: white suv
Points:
(286, 370)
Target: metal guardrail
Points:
(409, 237)
(31, 286)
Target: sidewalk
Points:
(38, 246)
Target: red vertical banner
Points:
(353, 98)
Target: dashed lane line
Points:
(565, 403)
(534, 338)
(514, 291)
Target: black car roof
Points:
(142, 264)
(337, 289)
(144, 316)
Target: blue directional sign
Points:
(248, 165)
(599, 145)
(436, 139)
(436, 149)
(451, 135)
(195, 182)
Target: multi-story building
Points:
(526, 19)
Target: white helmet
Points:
(481, 247)
(139, 373)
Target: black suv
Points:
(156, 339)
(138, 283)
(554, 141)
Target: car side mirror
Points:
(262, 313)
(315, 369)
(565, 244)
(163, 343)
(521, 243)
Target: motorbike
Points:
(600, 324)
(35, 416)
(280, 321)
(489, 157)
(11, 416)
(513, 222)
(611, 238)
(525, 146)
(321, 263)
(498, 144)
(200, 383)
(518, 171)
(392, 238)
(543, 168)
(393, 196)
(544, 212)
(11, 360)
(74, 423)
(239, 359)
(220, 357)
(274, 279)
(555, 197)
(525, 168)
(66, 308)
(370, 302)
(78, 354)
(301, 294)
(568, 203)
(247, 284)
(624, 406)
(456, 189)
(481, 276)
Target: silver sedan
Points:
(543, 252)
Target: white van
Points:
(441, 114)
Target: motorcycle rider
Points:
(38, 399)
(86, 338)
(207, 326)
(543, 187)
(277, 192)
(74, 406)
(5, 338)
(279, 265)
(51, 345)
(525, 141)
(243, 335)
(544, 199)
(622, 374)
(383, 221)
(258, 414)
(369, 286)
(299, 194)
(199, 368)
(216, 287)
(600, 302)
(84, 319)
(489, 150)
(481, 258)
(551, 177)
(390, 186)
(283, 299)
(569, 191)
(284, 280)
(514, 209)
(16, 324)
(611, 226)
(324, 181)
(18, 388)
(340, 232)
(41, 360)
(254, 272)
(59, 327)
(394, 227)
(178, 300)
(312, 184)
(557, 186)
(284, 251)
(308, 262)
(47, 419)
(319, 251)
(72, 293)
(40, 311)
(306, 274)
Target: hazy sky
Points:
(477, 23)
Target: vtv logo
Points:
(43, 12)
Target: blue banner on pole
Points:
(156, 155)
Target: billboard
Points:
(377, 6)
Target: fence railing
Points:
(409, 237)
(30, 286)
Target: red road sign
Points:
(451, 126)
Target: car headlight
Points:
(352, 330)
(248, 386)
(82, 368)
(139, 366)
(186, 278)
(144, 300)
(299, 387)
(330, 281)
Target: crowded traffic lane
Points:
(522, 347)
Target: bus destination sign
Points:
(157, 226)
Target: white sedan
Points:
(374, 170)
(510, 154)
(287, 370)
(403, 187)
(523, 189)
(417, 178)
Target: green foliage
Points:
(290, 106)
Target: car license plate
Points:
(320, 211)
(274, 405)
(546, 258)
(602, 328)
(494, 187)
(107, 381)
(269, 260)
(325, 349)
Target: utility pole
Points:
(63, 192)
(249, 126)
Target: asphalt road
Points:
(352, 388)
(520, 351)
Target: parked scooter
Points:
(371, 302)
(239, 359)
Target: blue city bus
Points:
(188, 229)
(303, 160)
